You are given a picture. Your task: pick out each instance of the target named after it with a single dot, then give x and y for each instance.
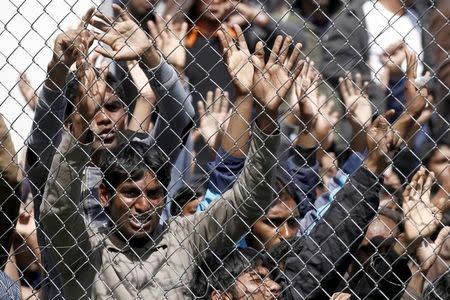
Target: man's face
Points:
(439, 164)
(280, 222)
(136, 207)
(256, 284)
(108, 121)
(214, 10)
(191, 207)
(381, 226)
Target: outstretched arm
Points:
(228, 218)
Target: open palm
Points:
(127, 40)
(422, 216)
(238, 61)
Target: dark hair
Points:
(219, 270)
(72, 83)
(131, 160)
(439, 289)
(184, 195)
(432, 143)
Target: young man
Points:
(233, 274)
(137, 257)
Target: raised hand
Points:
(214, 118)
(273, 80)
(238, 60)
(169, 39)
(127, 40)
(356, 100)
(70, 46)
(428, 251)
(393, 57)
(416, 92)
(422, 216)
(382, 141)
(27, 91)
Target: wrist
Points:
(151, 58)
(375, 164)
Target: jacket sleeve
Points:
(9, 191)
(303, 168)
(230, 216)
(61, 217)
(325, 256)
(44, 139)
(175, 110)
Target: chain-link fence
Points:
(220, 149)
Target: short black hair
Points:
(72, 84)
(184, 195)
(131, 160)
(219, 270)
(432, 143)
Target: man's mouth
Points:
(140, 222)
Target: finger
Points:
(241, 39)
(100, 24)
(123, 14)
(209, 99)
(358, 82)
(160, 24)
(230, 42)
(217, 100)
(343, 90)
(259, 54)
(293, 59)
(349, 83)
(105, 52)
(285, 49)
(223, 42)
(86, 17)
(225, 103)
(275, 50)
(104, 18)
(183, 31)
(441, 237)
(298, 69)
(152, 28)
(93, 58)
(428, 182)
(201, 108)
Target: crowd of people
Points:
(222, 149)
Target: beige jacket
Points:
(100, 265)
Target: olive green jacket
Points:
(97, 264)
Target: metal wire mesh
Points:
(220, 149)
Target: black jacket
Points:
(315, 271)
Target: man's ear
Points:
(103, 195)
(216, 295)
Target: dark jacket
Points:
(313, 272)
(347, 49)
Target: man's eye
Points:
(113, 106)
(130, 193)
(155, 194)
(292, 222)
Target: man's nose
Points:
(285, 231)
(142, 204)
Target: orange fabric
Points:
(192, 37)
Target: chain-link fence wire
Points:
(226, 150)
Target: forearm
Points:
(229, 217)
(47, 126)
(56, 75)
(175, 109)
(236, 139)
(143, 109)
(60, 216)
